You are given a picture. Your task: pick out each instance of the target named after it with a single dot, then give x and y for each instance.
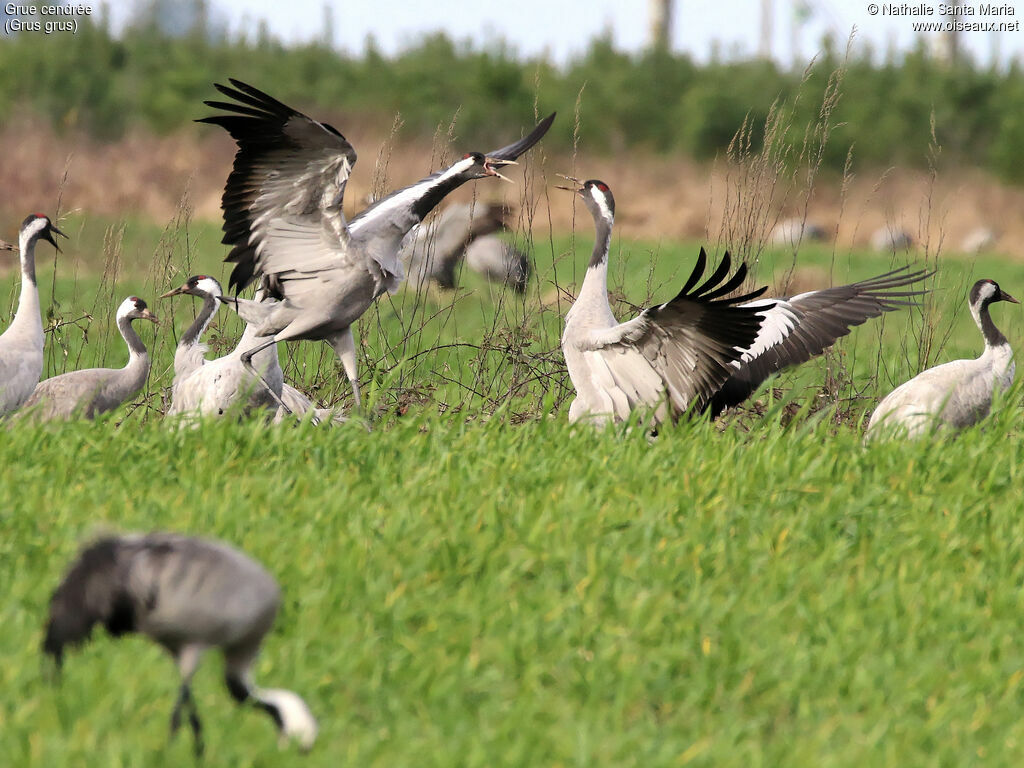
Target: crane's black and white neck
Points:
(21, 345)
(190, 353)
(956, 394)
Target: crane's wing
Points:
(282, 200)
(687, 343)
(383, 225)
(798, 328)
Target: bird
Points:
(93, 391)
(956, 394)
(433, 252)
(283, 217)
(188, 595)
(499, 262)
(212, 387)
(718, 373)
(21, 345)
(791, 232)
(891, 238)
(670, 358)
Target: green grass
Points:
(483, 595)
(480, 587)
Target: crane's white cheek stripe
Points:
(602, 204)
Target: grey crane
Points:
(499, 262)
(958, 393)
(671, 357)
(188, 595)
(21, 345)
(93, 391)
(433, 252)
(283, 216)
(686, 350)
(212, 387)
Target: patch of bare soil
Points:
(657, 197)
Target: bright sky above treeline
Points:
(562, 28)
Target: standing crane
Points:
(283, 216)
(956, 394)
(21, 345)
(701, 350)
(93, 391)
(212, 387)
(188, 595)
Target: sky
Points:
(540, 26)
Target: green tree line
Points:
(105, 84)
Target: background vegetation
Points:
(655, 100)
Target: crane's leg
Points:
(246, 359)
(188, 660)
(344, 346)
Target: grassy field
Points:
(476, 583)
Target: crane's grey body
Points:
(188, 595)
(499, 262)
(668, 359)
(93, 391)
(891, 238)
(21, 345)
(283, 214)
(433, 251)
(297, 405)
(224, 385)
(215, 387)
(204, 387)
(955, 394)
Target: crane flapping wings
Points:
(282, 200)
(682, 348)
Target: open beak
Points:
(490, 166)
(1004, 296)
(147, 315)
(175, 292)
(48, 236)
(579, 184)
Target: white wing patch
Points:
(779, 322)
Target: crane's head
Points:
(987, 292)
(134, 308)
(596, 195)
(197, 285)
(476, 165)
(38, 226)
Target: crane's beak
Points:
(490, 164)
(579, 184)
(48, 236)
(147, 315)
(175, 292)
(5, 246)
(1004, 296)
